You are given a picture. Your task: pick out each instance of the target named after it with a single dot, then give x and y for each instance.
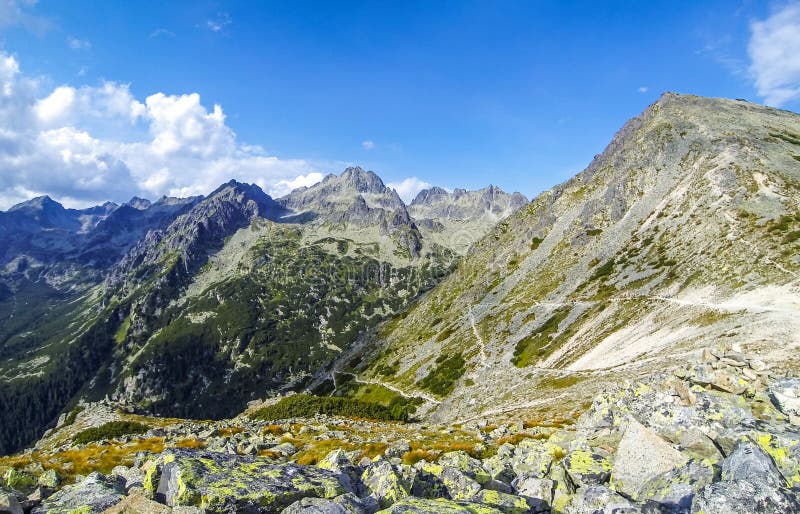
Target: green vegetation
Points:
(604, 270)
(442, 379)
(594, 232)
(377, 394)
(306, 405)
(535, 346)
(73, 414)
(122, 333)
(535, 242)
(110, 430)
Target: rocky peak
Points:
(430, 196)
(139, 203)
(362, 181)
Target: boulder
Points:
(586, 468)
(413, 505)
(749, 462)
(344, 504)
(349, 474)
(452, 482)
(385, 483)
(20, 480)
(538, 488)
(49, 479)
(509, 503)
(599, 499)
(466, 464)
(220, 482)
(94, 494)
(785, 394)
(532, 458)
(744, 497)
(642, 455)
(674, 490)
(138, 504)
(9, 503)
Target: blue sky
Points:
(458, 94)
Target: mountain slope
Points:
(684, 232)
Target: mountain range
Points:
(193, 307)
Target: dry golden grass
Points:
(515, 439)
(273, 430)
(92, 457)
(192, 443)
(414, 456)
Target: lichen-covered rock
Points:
(749, 462)
(138, 504)
(94, 494)
(587, 468)
(509, 503)
(751, 483)
(385, 483)
(744, 497)
(539, 488)
(220, 482)
(642, 455)
(533, 457)
(455, 483)
(675, 489)
(499, 465)
(785, 394)
(468, 465)
(9, 503)
(413, 505)
(344, 504)
(49, 479)
(349, 474)
(600, 500)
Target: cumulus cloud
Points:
(643, 89)
(774, 51)
(78, 44)
(87, 144)
(221, 21)
(19, 12)
(368, 144)
(408, 188)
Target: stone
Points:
(600, 500)
(456, 484)
(349, 475)
(509, 503)
(785, 394)
(532, 458)
(533, 487)
(468, 465)
(385, 483)
(675, 489)
(750, 462)
(344, 504)
(9, 504)
(397, 449)
(220, 482)
(49, 479)
(587, 468)
(642, 455)
(413, 505)
(94, 494)
(138, 504)
(744, 497)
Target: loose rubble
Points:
(720, 436)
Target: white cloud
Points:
(774, 51)
(368, 144)
(643, 89)
(87, 144)
(161, 32)
(78, 44)
(18, 12)
(222, 20)
(408, 188)
(284, 187)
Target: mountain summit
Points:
(682, 233)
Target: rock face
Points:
(459, 218)
(674, 238)
(94, 494)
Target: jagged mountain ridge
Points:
(181, 305)
(684, 231)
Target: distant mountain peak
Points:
(39, 203)
(139, 203)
